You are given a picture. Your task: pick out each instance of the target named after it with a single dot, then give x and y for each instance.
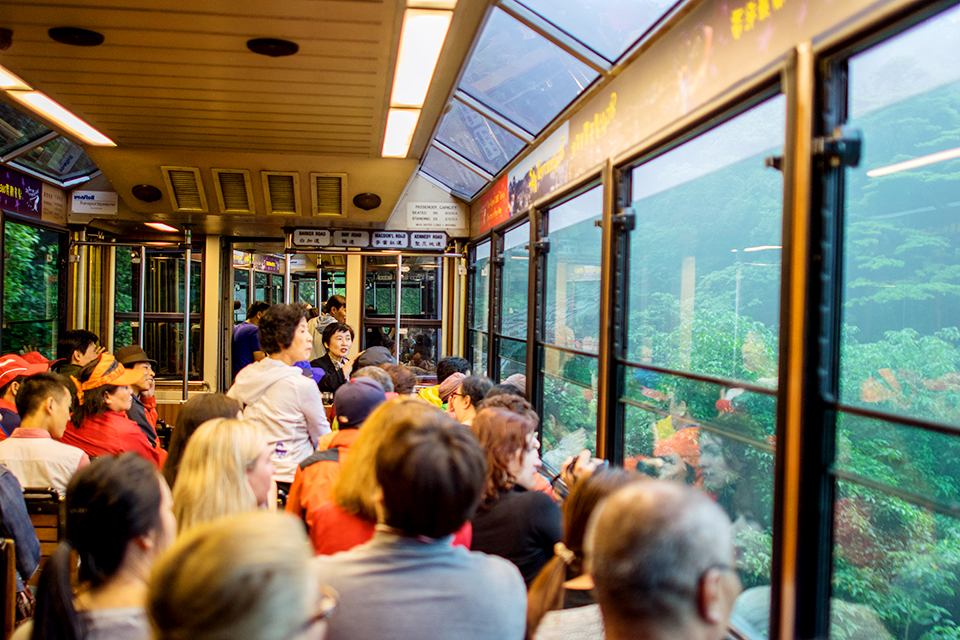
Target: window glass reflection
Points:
(59, 159)
(481, 287)
(477, 138)
(516, 274)
(31, 289)
(17, 129)
(522, 75)
(452, 173)
(705, 256)
(572, 310)
(608, 27)
(569, 417)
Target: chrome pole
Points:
(143, 294)
(186, 315)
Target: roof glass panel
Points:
(452, 173)
(522, 75)
(17, 129)
(59, 159)
(477, 138)
(608, 27)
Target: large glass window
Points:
(241, 294)
(514, 276)
(478, 319)
(478, 139)
(59, 159)
(32, 311)
(17, 129)
(164, 309)
(571, 327)
(896, 558)
(700, 368)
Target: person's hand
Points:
(576, 469)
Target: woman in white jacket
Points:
(276, 394)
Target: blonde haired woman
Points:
(246, 576)
(349, 519)
(226, 469)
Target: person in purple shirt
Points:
(246, 338)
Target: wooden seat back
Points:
(8, 573)
(48, 513)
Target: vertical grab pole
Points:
(396, 330)
(287, 244)
(143, 294)
(186, 314)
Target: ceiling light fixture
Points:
(273, 47)
(76, 36)
(922, 161)
(159, 226)
(147, 193)
(401, 123)
(53, 111)
(10, 82)
(421, 40)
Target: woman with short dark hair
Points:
(333, 311)
(337, 367)
(277, 396)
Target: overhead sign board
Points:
(312, 238)
(354, 239)
(94, 202)
(19, 193)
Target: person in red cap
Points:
(13, 370)
(99, 425)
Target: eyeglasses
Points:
(329, 599)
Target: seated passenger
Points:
(246, 577)
(505, 389)
(119, 520)
(226, 469)
(519, 405)
(380, 376)
(13, 371)
(662, 560)
(445, 368)
(15, 525)
(404, 382)
(374, 357)
(193, 413)
(143, 410)
(561, 597)
(514, 521)
(349, 518)
(33, 452)
(410, 582)
(99, 424)
(75, 349)
(277, 396)
(465, 401)
(334, 312)
(337, 367)
(316, 475)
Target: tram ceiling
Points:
(174, 84)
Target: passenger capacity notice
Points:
(354, 239)
(435, 215)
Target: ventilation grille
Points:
(234, 192)
(329, 193)
(281, 191)
(185, 188)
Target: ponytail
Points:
(55, 617)
(546, 591)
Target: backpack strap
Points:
(327, 455)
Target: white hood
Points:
(254, 379)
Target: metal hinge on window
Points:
(625, 221)
(543, 246)
(842, 149)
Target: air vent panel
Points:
(185, 188)
(234, 191)
(281, 192)
(329, 194)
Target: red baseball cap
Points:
(12, 365)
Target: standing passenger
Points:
(335, 310)
(246, 344)
(410, 582)
(277, 396)
(143, 410)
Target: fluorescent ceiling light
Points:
(922, 161)
(401, 123)
(449, 5)
(54, 112)
(420, 43)
(159, 226)
(10, 82)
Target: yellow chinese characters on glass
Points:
(745, 18)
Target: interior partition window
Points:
(164, 309)
(514, 275)
(896, 556)
(478, 316)
(33, 301)
(571, 330)
(701, 347)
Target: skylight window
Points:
(478, 139)
(453, 174)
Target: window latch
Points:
(625, 221)
(842, 149)
(543, 246)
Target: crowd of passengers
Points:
(421, 515)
